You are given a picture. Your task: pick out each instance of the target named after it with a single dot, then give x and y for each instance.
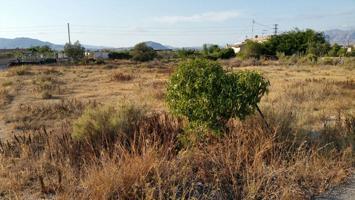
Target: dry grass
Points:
(308, 150)
(118, 76)
(5, 97)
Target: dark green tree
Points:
(251, 49)
(297, 42)
(141, 52)
(227, 53)
(119, 55)
(74, 51)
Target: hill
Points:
(158, 46)
(24, 42)
(343, 37)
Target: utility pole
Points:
(276, 28)
(69, 33)
(252, 29)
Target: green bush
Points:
(214, 52)
(204, 93)
(327, 61)
(309, 59)
(119, 55)
(297, 42)
(251, 49)
(227, 53)
(106, 122)
(188, 53)
(142, 53)
(74, 51)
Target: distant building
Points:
(238, 46)
(349, 49)
(97, 54)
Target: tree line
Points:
(295, 42)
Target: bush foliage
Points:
(296, 42)
(141, 52)
(106, 122)
(203, 92)
(214, 52)
(119, 55)
(74, 51)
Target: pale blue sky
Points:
(178, 23)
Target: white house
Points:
(97, 55)
(237, 46)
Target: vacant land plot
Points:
(315, 95)
(303, 101)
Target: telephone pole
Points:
(252, 29)
(276, 28)
(69, 33)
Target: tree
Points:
(227, 53)
(74, 51)
(204, 93)
(119, 55)
(44, 50)
(297, 42)
(187, 53)
(214, 52)
(252, 49)
(141, 52)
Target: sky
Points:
(178, 23)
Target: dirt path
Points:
(344, 192)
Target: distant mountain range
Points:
(343, 37)
(23, 43)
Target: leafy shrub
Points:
(227, 53)
(119, 55)
(203, 92)
(251, 49)
(74, 51)
(214, 52)
(308, 59)
(188, 53)
(141, 52)
(327, 61)
(297, 42)
(167, 55)
(106, 122)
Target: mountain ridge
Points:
(25, 42)
(342, 37)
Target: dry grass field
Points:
(308, 150)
